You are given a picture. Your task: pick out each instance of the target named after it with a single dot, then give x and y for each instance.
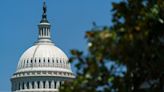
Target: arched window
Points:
(39, 62)
(44, 60)
(31, 60)
(48, 60)
(31, 63)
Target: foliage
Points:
(135, 41)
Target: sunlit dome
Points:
(43, 67)
(43, 57)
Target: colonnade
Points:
(26, 85)
(44, 32)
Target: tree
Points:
(135, 46)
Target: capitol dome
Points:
(43, 56)
(43, 67)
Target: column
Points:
(35, 85)
(30, 85)
(41, 33)
(17, 86)
(41, 84)
(46, 31)
(25, 85)
(47, 84)
(52, 84)
(20, 86)
(57, 84)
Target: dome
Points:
(43, 57)
(43, 67)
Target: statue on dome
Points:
(44, 8)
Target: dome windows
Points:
(48, 60)
(44, 62)
(31, 61)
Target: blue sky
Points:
(70, 19)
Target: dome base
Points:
(37, 84)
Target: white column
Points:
(35, 85)
(46, 31)
(47, 84)
(52, 84)
(25, 85)
(41, 84)
(50, 62)
(40, 32)
(44, 61)
(30, 85)
(57, 84)
(20, 85)
(54, 63)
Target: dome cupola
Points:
(44, 27)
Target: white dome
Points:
(43, 67)
(43, 57)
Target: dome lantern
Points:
(44, 27)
